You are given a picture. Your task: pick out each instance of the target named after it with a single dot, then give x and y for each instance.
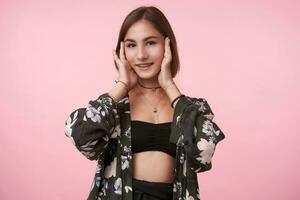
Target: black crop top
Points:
(148, 136)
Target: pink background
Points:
(243, 57)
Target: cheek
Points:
(156, 52)
(129, 56)
(159, 53)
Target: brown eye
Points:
(129, 45)
(151, 42)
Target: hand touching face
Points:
(165, 76)
(126, 73)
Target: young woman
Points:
(149, 139)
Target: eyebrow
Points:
(147, 38)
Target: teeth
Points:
(144, 65)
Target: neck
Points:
(149, 83)
(144, 86)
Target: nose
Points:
(142, 53)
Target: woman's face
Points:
(144, 45)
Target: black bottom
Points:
(144, 190)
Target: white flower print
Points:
(178, 118)
(128, 132)
(86, 149)
(202, 108)
(207, 149)
(180, 140)
(105, 101)
(208, 128)
(117, 132)
(88, 145)
(88, 154)
(105, 187)
(127, 188)
(93, 113)
(201, 105)
(127, 112)
(102, 112)
(96, 181)
(195, 131)
(125, 162)
(110, 170)
(118, 186)
(187, 196)
(209, 116)
(124, 100)
(181, 158)
(98, 168)
(69, 123)
(178, 187)
(115, 118)
(127, 149)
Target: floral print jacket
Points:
(102, 132)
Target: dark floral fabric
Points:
(102, 131)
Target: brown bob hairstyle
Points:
(160, 22)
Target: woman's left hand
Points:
(165, 76)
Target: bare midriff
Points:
(153, 166)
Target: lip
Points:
(144, 64)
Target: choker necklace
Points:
(152, 88)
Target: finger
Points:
(122, 56)
(167, 47)
(115, 55)
(116, 59)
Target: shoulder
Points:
(186, 100)
(196, 103)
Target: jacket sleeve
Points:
(90, 128)
(197, 132)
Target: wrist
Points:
(118, 91)
(176, 100)
(168, 84)
(173, 92)
(124, 84)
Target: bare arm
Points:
(118, 92)
(172, 92)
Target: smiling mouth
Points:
(144, 65)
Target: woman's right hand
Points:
(126, 73)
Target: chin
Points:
(150, 75)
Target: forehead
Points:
(141, 29)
